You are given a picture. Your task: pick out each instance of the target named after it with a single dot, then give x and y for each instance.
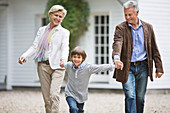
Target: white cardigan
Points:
(58, 47)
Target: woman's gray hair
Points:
(131, 4)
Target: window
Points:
(41, 20)
(101, 26)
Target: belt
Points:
(139, 62)
(46, 62)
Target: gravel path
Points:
(30, 101)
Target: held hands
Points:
(118, 64)
(158, 75)
(62, 63)
(21, 60)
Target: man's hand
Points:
(158, 75)
(21, 60)
(62, 63)
(118, 64)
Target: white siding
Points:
(23, 33)
(3, 44)
(157, 12)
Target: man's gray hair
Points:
(131, 4)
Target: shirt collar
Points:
(58, 27)
(140, 24)
(79, 67)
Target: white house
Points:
(20, 19)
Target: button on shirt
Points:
(79, 67)
(139, 51)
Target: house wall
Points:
(157, 12)
(3, 44)
(23, 18)
(113, 7)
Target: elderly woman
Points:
(50, 50)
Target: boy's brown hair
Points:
(79, 51)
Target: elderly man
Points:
(135, 45)
(50, 50)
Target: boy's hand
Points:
(118, 64)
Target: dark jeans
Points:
(74, 106)
(135, 88)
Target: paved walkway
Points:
(103, 101)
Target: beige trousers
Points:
(51, 81)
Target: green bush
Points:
(76, 20)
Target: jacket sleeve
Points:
(118, 40)
(31, 51)
(155, 54)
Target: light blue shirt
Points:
(139, 51)
(80, 66)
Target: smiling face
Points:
(131, 16)
(77, 60)
(56, 18)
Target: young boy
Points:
(79, 73)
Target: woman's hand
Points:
(21, 60)
(62, 63)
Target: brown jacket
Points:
(123, 47)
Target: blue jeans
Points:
(135, 88)
(74, 106)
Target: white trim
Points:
(9, 53)
(38, 21)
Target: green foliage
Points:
(76, 20)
